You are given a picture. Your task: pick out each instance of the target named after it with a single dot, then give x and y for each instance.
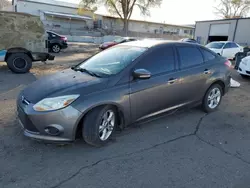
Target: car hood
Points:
(63, 83)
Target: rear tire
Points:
(19, 62)
(99, 125)
(212, 98)
(56, 48)
(244, 76)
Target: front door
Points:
(193, 72)
(161, 91)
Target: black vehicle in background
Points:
(189, 40)
(56, 42)
(107, 45)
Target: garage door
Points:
(219, 30)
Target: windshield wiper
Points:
(85, 70)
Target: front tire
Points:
(212, 98)
(56, 48)
(244, 76)
(19, 63)
(99, 125)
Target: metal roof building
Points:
(236, 29)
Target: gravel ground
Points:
(186, 149)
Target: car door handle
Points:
(172, 80)
(206, 71)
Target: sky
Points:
(175, 11)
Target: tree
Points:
(4, 4)
(233, 8)
(123, 8)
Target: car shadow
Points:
(11, 82)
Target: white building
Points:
(58, 16)
(235, 29)
(140, 26)
(5, 5)
(63, 18)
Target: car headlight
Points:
(244, 62)
(54, 103)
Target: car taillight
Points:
(229, 64)
(64, 38)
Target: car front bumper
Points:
(244, 69)
(53, 126)
(64, 45)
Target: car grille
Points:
(25, 120)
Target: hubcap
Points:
(107, 125)
(214, 98)
(56, 48)
(19, 63)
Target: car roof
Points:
(148, 43)
(187, 39)
(52, 32)
(219, 41)
(222, 41)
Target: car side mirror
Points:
(141, 74)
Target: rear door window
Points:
(189, 56)
(233, 45)
(207, 55)
(49, 34)
(53, 35)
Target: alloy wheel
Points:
(214, 98)
(56, 48)
(107, 125)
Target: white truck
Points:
(23, 40)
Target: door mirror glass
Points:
(141, 74)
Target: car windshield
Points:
(215, 45)
(119, 40)
(112, 61)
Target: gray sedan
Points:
(119, 86)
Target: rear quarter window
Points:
(233, 45)
(208, 56)
(189, 56)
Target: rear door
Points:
(193, 72)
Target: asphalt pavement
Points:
(186, 149)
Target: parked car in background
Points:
(56, 42)
(244, 67)
(226, 49)
(122, 85)
(107, 45)
(189, 40)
